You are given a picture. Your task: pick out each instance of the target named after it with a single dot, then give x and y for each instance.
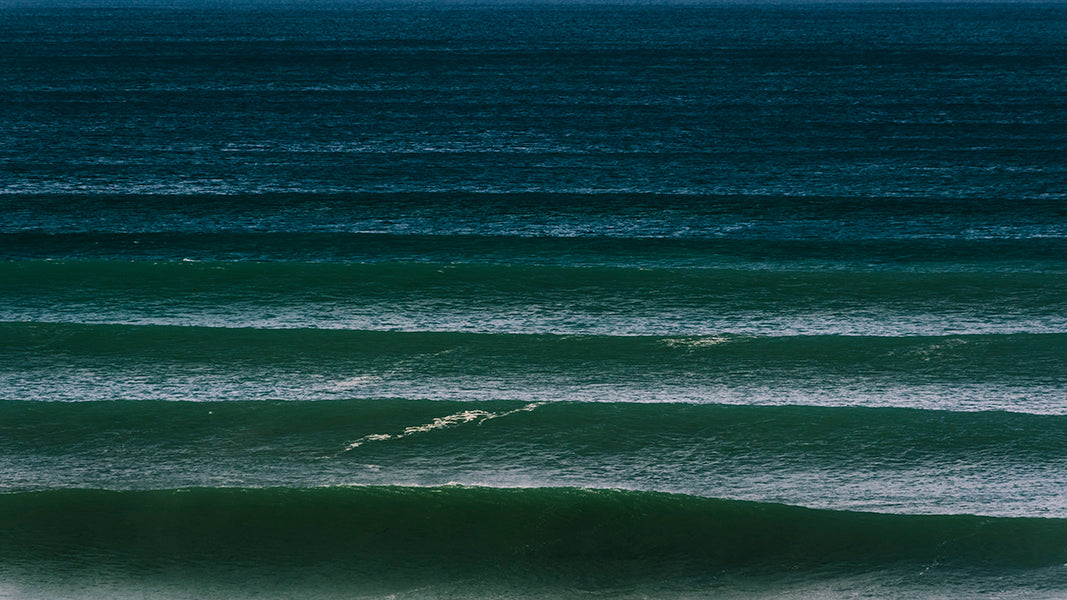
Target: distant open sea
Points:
(322, 301)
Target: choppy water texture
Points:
(762, 301)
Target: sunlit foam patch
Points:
(467, 416)
(352, 382)
(933, 351)
(702, 341)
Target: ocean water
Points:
(322, 301)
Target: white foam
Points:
(460, 418)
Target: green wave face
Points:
(59, 361)
(450, 533)
(966, 356)
(525, 298)
(891, 460)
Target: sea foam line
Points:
(460, 418)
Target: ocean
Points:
(545, 300)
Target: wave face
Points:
(71, 362)
(522, 298)
(861, 458)
(433, 536)
(382, 301)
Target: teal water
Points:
(65, 362)
(874, 459)
(522, 299)
(751, 302)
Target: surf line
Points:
(460, 418)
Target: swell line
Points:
(288, 278)
(734, 430)
(887, 459)
(598, 214)
(1042, 253)
(354, 525)
(1023, 354)
(516, 298)
(60, 361)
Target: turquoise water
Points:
(762, 301)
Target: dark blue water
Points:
(498, 301)
(928, 102)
